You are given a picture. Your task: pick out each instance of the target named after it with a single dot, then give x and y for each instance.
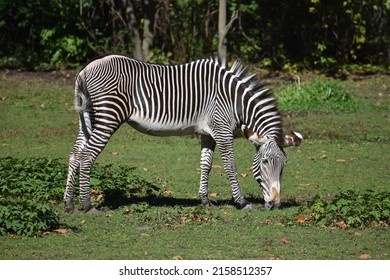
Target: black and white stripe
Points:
(201, 97)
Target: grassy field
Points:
(342, 150)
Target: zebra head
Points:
(268, 164)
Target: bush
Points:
(349, 209)
(114, 186)
(34, 178)
(318, 94)
(26, 217)
(29, 189)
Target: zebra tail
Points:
(82, 104)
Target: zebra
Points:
(202, 97)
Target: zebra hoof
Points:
(248, 207)
(206, 202)
(87, 206)
(69, 207)
(245, 205)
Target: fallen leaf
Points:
(177, 258)
(284, 240)
(61, 230)
(352, 159)
(114, 153)
(4, 145)
(377, 104)
(243, 175)
(216, 166)
(167, 192)
(213, 194)
(267, 222)
(82, 222)
(301, 219)
(145, 169)
(341, 160)
(365, 256)
(342, 224)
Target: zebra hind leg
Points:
(74, 164)
(94, 147)
(206, 159)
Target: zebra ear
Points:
(252, 136)
(293, 139)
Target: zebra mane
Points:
(241, 72)
(257, 94)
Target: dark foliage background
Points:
(43, 34)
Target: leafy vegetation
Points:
(349, 209)
(26, 217)
(114, 186)
(318, 94)
(279, 34)
(32, 179)
(30, 188)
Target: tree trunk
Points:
(149, 8)
(222, 31)
(132, 26)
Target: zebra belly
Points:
(169, 129)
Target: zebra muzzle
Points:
(274, 202)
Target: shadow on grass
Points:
(166, 201)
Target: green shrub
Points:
(33, 178)
(30, 187)
(349, 209)
(318, 94)
(26, 217)
(117, 185)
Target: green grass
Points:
(343, 150)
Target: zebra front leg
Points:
(206, 160)
(74, 164)
(94, 147)
(225, 147)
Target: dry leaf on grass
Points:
(61, 230)
(284, 240)
(342, 224)
(365, 256)
(301, 219)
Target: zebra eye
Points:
(265, 160)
